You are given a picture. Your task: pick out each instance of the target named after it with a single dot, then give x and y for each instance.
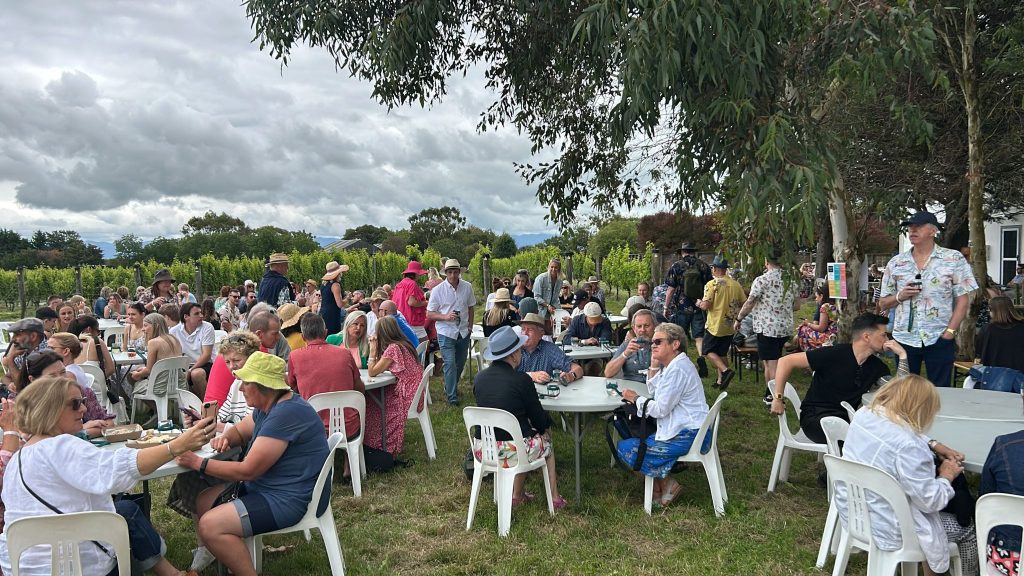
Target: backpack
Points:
(693, 282)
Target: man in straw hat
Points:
(541, 357)
(274, 286)
(409, 298)
(451, 307)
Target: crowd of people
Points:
(260, 350)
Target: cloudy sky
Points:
(130, 117)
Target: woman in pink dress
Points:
(392, 351)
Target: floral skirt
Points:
(537, 446)
(809, 338)
(661, 454)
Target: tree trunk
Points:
(845, 249)
(975, 176)
(824, 251)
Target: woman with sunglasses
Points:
(49, 363)
(677, 402)
(69, 348)
(55, 471)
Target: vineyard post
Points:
(655, 266)
(78, 279)
(197, 288)
(138, 275)
(21, 289)
(373, 272)
(485, 273)
(568, 265)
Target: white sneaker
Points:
(201, 558)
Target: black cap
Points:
(46, 313)
(921, 217)
(582, 295)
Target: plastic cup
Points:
(553, 390)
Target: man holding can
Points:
(451, 307)
(928, 286)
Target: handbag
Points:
(630, 421)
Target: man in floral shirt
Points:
(928, 286)
(771, 304)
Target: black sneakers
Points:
(702, 367)
(768, 398)
(726, 378)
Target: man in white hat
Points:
(275, 289)
(451, 308)
(596, 292)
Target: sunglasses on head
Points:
(76, 403)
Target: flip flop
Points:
(526, 497)
(669, 496)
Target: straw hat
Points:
(502, 295)
(378, 295)
(290, 314)
(278, 258)
(592, 280)
(334, 269)
(311, 282)
(532, 318)
(451, 263)
(264, 369)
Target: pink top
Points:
(416, 316)
(321, 367)
(219, 383)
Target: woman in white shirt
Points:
(679, 405)
(57, 473)
(888, 435)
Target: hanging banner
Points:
(836, 277)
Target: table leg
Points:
(578, 439)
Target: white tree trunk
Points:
(845, 249)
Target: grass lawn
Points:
(413, 521)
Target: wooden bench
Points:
(741, 354)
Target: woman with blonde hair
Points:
(65, 315)
(501, 313)
(160, 345)
(69, 475)
(392, 352)
(889, 435)
(354, 337)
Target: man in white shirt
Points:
(196, 338)
(451, 308)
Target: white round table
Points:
(586, 396)
(587, 352)
(379, 382)
(984, 405)
(972, 437)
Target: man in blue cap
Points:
(722, 300)
(928, 286)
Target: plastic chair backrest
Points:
(421, 351)
(561, 320)
(114, 336)
(64, 533)
(489, 420)
(993, 510)
(163, 370)
(835, 429)
(710, 423)
(859, 480)
(99, 379)
(186, 399)
(420, 390)
(218, 335)
(325, 471)
(335, 404)
(849, 409)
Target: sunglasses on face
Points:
(76, 403)
(659, 341)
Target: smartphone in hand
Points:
(190, 413)
(210, 409)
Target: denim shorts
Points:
(255, 514)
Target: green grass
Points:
(412, 521)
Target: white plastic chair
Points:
(710, 460)
(325, 522)
(218, 335)
(99, 387)
(64, 533)
(859, 480)
(835, 430)
(421, 353)
(114, 336)
(424, 415)
(559, 322)
(850, 411)
(487, 420)
(789, 441)
(996, 510)
(336, 403)
(186, 399)
(161, 385)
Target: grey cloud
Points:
(73, 89)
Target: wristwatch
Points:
(779, 396)
(951, 331)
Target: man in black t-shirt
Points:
(843, 372)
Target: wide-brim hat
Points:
(264, 369)
(290, 314)
(162, 275)
(921, 217)
(451, 263)
(310, 282)
(593, 280)
(688, 246)
(502, 295)
(278, 258)
(532, 318)
(27, 325)
(334, 269)
(502, 342)
(414, 267)
(379, 295)
(719, 262)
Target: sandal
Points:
(526, 497)
(671, 494)
(559, 503)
